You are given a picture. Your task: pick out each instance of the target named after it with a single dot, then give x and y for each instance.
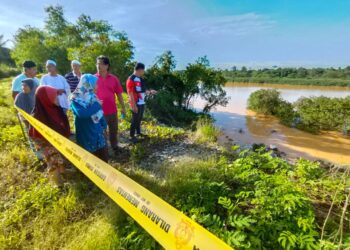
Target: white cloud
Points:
(236, 25)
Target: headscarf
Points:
(84, 94)
(46, 111)
(26, 101)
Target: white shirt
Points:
(58, 82)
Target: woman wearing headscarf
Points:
(48, 111)
(25, 99)
(89, 121)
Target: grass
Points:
(206, 132)
(249, 199)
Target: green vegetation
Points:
(292, 76)
(206, 131)
(63, 41)
(250, 199)
(178, 89)
(6, 63)
(308, 113)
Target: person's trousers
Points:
(112, 123)
(102, 153)
(136, 120)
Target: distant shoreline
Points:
(291, 81)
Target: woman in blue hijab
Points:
(89, 120)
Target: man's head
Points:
(29, 68)
(75, 66)
(102, 64)
(27, 85)
(139, 69)
(51, 67)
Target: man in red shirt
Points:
(107, 87)
(136, 89)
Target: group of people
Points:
(90, 98)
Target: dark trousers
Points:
(136, 120)
(102, 153)
(112, 123)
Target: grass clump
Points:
(206, 132)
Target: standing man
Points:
(53, 79)
(29, 71)
(107, 87)
(136, 89)
(73, 77)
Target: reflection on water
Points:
(245, 127)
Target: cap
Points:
(50, 62)
(75, 62)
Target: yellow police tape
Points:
(167, 225)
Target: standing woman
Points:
(48, 111)
(90, 124)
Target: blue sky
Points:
(255, 33)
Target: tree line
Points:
(303, 76)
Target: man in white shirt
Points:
(53, 79)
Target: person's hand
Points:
(135, 109)
(153, 92)
(61, 91)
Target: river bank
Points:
(245, 127)
(242, 196)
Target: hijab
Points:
(47, 111)
(26, 101)
(85, 96)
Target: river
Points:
(245, 127)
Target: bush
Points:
(311, 114)
(7, 71)
(206, 131)
(269, 102)
(264, 101)
(163, 109)
(323, 113)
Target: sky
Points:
(254, 33)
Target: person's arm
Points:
(119, 93)
(82, 112)
(130, 88)
(66, 87)
(132, 102)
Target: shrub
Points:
(206, 131)
(7, 71)
(264, 101)
(323, 113)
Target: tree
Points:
(30, 44)
(63, 41)
(198, 79)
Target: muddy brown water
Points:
(245, 127)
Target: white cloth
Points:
(58, 82)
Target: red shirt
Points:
(137, 87)
(106, 89)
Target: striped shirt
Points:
(73, 80)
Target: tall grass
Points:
(206, 132)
